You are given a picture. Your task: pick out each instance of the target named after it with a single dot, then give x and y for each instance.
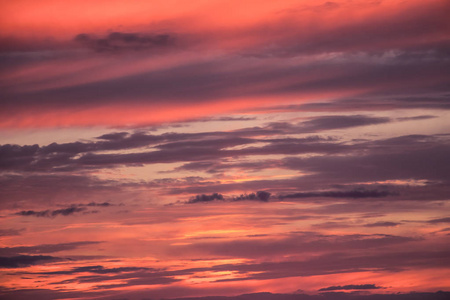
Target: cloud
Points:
(258, 196)
(25, 260)
(44, 248)
(103, 204)
(48, 213)
(97, 270)
(54, 189)
(45, 294)
(402, 53)
(290, 245)
(205, 198)
(372, 103)
(121, 41)
(339, 122)
(415, 118)
(329, 296)
(10, 232)
(440, 220)
(352, 287)
(232, 77)
(354, 194)
(414, 157)
(339, 263)
(382, 224)
(209, 150)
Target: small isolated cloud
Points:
(352, 287)
(51, 213)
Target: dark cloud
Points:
(155, 280)
(440, 220)
(44, 190)
(44, 248)
(97, 270)
(294, 244)
(113, 136)
(403, 158)
(12, 156)
(259, 196)
(328, 296)
(382, 224)
(103, 204)
(415, 118)
(396, 54)
(340, 262)
(379, 103)
(121, 41)
(372, 34)
(45, 294)
(352, 287)
(207, 150)
(10, 232)
(206, 198)
(339, 122)
(354, 194)
(193, 82)
(25, 260)
(51, 213)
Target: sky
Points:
(294, 150)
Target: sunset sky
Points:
(289, 149)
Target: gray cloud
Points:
(258, 196)
(51, 213)
(440, 220)
(354, 194)
(10, 232)
(206, 198)
(294, 244)
(25, 260)
(329, 296)
(339, 122)
(352, 287)
(121, 41)
(382, 224)
(44, 248)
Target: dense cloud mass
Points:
(259, 150)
